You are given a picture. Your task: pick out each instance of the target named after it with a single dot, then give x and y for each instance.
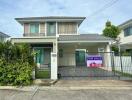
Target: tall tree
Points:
(110, 30)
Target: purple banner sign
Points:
(94, 61)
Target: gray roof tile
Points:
(84, 37)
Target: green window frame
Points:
(34, 28)
(51, 29)
(128, 31)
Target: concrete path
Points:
(89, 84)
(67, 95)
(75, 85)
(93, 83)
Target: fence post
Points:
(113, 64)
(131, 57)
(33, 73)
(121, 62)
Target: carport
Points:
(73, 51)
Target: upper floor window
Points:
(67, 28)
(51, 29)
(34, 28)
(128, 31)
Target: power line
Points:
(109, 4)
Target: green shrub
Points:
(126, 54)
(17, 73)
(24, 73)
(16, 64)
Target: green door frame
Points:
(80, 57)
(40, 56)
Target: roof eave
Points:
(125, 24)
(4, 35)
(39, 19)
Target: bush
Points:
(16, 64)
(16, 73)
(24, 73)
(126, 54)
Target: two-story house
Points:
(126, 35)
(59, 35)
(3, 37)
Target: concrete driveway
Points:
(93, 83)
(83, 72)
(67, 95)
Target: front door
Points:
(39, 55)
(47, 56)
(43, 56)
(80, 58)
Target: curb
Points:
(86, 87)
(25, 88)
(33, 88)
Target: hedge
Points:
(16, 64)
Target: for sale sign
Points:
(94, 61)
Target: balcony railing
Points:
(34, 34)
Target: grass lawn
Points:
(43, 74)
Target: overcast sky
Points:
(92, 9)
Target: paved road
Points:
(67, 95)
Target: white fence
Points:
(126, 62)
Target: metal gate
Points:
(98, 65)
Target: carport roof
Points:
(84, 37)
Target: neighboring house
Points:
(3, 37)
(126, 35)
(59, 35)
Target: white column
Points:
(56, 29)
(109, 55)
(45, 28)
(55, 46)
(54, 66)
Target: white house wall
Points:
(125, 39)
